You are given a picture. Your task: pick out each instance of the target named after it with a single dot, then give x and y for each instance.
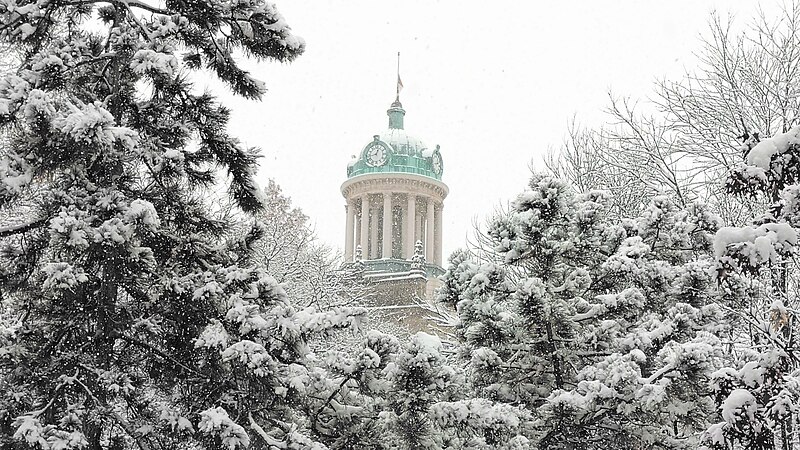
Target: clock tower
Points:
(394, 201)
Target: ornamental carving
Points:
(395, 184)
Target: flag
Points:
(399, 84)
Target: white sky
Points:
(494, 83)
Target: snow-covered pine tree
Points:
(387, 396)
(355, 385)
(419, 379)
(128, 322)
(380, 395)
(605, 331)
(758, 392)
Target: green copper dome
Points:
(396, 151)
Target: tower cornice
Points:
(399, 183)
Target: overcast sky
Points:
(495, 84)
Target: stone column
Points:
(357, 235)
(403, 228)
(364, 241)
(429, 240)
(373, 233)
(419, 229)
(408, 238)
(437, 235)
(387, 225)
(349, 231)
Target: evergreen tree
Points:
(419, 379)
(127, 321)
(387, 396)
(355, 386)
(381, 396)
(606, 332)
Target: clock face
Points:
(376, 155)
(437, 164)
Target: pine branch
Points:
(152, 9)
(56, 391)
(142, 444)
(163, 355)
(119, 419)
(269, 440)
(21, 228)
(132, 4)
(145, 31)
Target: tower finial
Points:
(396, 111)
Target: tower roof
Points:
(396, 150)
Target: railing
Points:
(400, 265)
